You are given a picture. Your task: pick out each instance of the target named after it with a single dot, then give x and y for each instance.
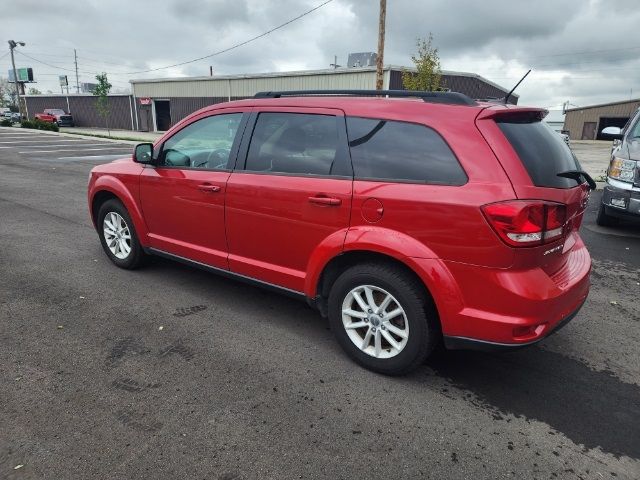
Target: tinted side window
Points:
(295, 143)
(384, 149)
(542, 151)
(204, 144)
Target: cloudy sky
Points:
(583, 51)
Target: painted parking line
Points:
(43, 140)
(80, 145)
(76, 150)
(21, 136)
(95, 157)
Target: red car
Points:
(57, 116)
(406, 221)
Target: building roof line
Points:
(327, 71)
(588, 107)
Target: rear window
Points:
(391, 150)
(542, 151)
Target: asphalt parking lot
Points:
(170, 372)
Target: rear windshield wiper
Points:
(578, 175)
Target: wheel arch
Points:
(107, 188)
(339, 263)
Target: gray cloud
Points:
(562, 41)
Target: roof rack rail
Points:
(453, 98)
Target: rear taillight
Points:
(527, 223)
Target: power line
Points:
(586, 52)
(45, 63)
(219, 52)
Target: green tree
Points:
(427, 76)
(34, 91)
(7, 93)
(102, 89)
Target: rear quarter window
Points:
(542, 151)
(391, 150)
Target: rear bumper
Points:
(464, 343)
(510, 307)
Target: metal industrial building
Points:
(586, 123)
(157, 104)
(83, 109)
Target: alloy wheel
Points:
(117, 235)
(375, 321)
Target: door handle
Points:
(205, 187)
(327, 201)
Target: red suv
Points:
(406, 221)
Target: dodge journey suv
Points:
(410, 219)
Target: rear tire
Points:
(381, 317)
(118, 235)
(605, 220)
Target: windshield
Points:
(635, 129)
(56, 111)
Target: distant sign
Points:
(145, 101)
(24, 75)
(63, 80)
(88, 87)
(362, 59)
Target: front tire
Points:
(605, 220)
(382, 318)
(118, 235)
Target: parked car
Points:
(13, 116)
(57, 116)
(621, 195)
(406, 221)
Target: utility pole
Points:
(13, 44)
(75, 56)
(335, 62)
(380, 58)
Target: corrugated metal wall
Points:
(182, 107)
(83, 109)
(187, 96)
(575, 119)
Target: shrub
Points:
(5, 123)
(40, 125)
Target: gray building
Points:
(157, 104)
(586, 123)
(83, 109)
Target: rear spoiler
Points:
(517, 113)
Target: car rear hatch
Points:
(542, 225)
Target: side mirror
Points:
(143, 153)
(613, 132)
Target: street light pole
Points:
(12, 45)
